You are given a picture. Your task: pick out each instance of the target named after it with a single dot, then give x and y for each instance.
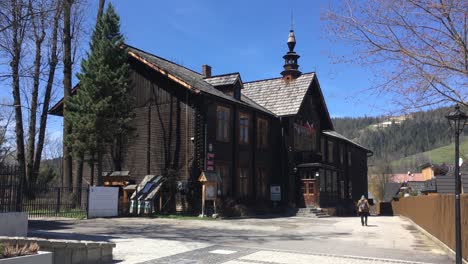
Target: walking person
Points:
(363, 208)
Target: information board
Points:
(275, 193)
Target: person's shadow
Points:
(372, 226)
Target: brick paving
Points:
(239, 255)
(248, 241)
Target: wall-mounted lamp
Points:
(317, 174)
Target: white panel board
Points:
(103, 201)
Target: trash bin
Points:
(141, 207)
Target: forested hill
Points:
(392, 138)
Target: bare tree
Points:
(380, 174)
(420, 45)
(100, 8)
(39, 32)
(52, 63)
(67, 86)
(18, 9)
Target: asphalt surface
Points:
(241, 241)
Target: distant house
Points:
(445, 183)
(407, 177)
(391, 190)
(430, 170)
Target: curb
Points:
(434, 239)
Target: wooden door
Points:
(309, 191)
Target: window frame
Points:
(226, 181)
(262, 182)
(330, 151)
(223, 125)
(262, 133)
(243, 181)
(322, 148)
(244, 129)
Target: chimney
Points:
(206, 71)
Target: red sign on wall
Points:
(210, 161)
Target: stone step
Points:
(311, 212)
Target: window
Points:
(328, 176)
(262, 132)
(262, 183)
(350, 189)
(224, 174)
(349, 158)
(341, 154)
(330, 151)
(243, 182)
(223, 116)
(334, 182)
(243, 129)
(322, 180)
(322, 148)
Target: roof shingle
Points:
(280, 97)
(226, 79)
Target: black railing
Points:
(40, 200)
(10, 189)
(46, 201)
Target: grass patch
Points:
(182, 217)
(438, 155)
(70, 213)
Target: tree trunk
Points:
(100, 9)
(91, 164)
(17, 41)
(48, 91)
(78, 181)
(67, 86)
(99, 172)
(39, 39)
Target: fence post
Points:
(20, 190)
(57, 206)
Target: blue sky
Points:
(248, 37)
(242, 36)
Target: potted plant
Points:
(27, 254)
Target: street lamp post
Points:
(457, 120)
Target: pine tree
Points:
(101, 110)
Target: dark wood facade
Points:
(188, 123)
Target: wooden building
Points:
(274, 132)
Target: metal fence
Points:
(46, 201)
(10, 189)
(40, 200)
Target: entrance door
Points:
(309, 191)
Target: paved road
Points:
(276, 240)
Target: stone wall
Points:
(69, 251)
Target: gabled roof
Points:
(391, 190)
(189, 79)
(335, 134)
(280, 97)
(225, 79)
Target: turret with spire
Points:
(291, 68)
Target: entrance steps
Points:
(311, 212)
